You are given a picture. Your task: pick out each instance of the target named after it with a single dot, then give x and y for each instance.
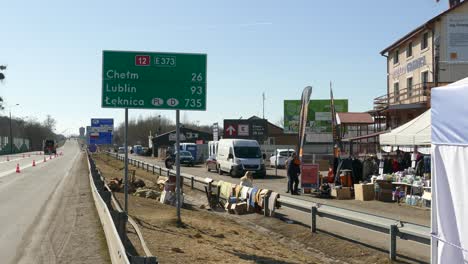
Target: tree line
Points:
(31, 129)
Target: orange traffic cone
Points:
(17, 168)
(23, 156)
(45, 160)
(34, 163)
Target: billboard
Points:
(319, 119)
(100, 131)
(456, 38)
(246, 129)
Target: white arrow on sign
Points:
(230, 130)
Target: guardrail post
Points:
(192, 180)
(265, 205)
(393, 234)
(153, 169)
(313, 225)
(209, 187)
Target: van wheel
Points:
(220, 172)
(208, 168)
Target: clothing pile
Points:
(243, 199)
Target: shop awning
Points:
(416, 132)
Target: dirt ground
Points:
(217, 237)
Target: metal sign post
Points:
(126, 161)
(179, 220)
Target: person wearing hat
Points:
(293, 172)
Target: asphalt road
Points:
(46, 211)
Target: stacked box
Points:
(364, 192)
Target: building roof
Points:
(420, 28)
(354, 118)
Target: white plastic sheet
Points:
(450, 173)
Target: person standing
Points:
(293, 172)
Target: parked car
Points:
(121, 150)
(279, 158)
(185, 158)
(211, 164)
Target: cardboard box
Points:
(364, 192)
(342, 194)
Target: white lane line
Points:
(24, 167)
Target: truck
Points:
(49, 146)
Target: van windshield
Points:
(247, 152)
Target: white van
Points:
(236, 156)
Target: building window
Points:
(409, 86)
(425, 40)
(409, 50)
(424, 81)
(424, 77)
(396, 92)
(395, 56)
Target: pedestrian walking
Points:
(293, 172)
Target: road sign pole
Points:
(179, 220)
(126, 161)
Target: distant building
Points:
(434, 54)
(82, 131)
(167, 140)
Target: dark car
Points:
(185, 158)
(211, 164)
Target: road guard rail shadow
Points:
(394, 228)
(113, 221)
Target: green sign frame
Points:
(154, 80)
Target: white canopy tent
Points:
(450, 173)
(416, 132)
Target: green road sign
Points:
(153, 80)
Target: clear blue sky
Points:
(53, 51)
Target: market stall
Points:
(407, 176)
(450, 173)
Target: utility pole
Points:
(263, 97)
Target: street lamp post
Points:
(11, 133)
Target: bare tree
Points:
(50, 123)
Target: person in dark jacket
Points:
(293, 174)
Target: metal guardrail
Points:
(394, 228)
(114, 243)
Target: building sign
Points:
(457, 38)
(243, 130)
(246, 129)
(411, 66)
(319, 116)
(215, 132)
(100, 131)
